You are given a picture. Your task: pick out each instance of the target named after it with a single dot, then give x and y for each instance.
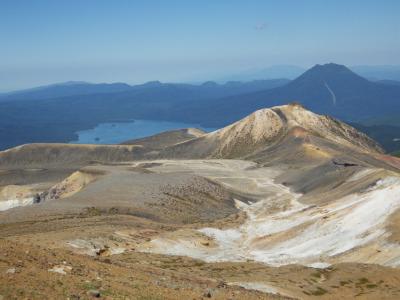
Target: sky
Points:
(48, 41)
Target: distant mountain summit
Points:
(329, 82)
(329, 73)
(329, 89)
(335, 89)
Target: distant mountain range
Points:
(71, 88)
(54, 113)
(329, 89)
(374, 73)
(74, 88)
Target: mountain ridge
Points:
(325, 89)
(254, 134)
(266, 126)
(284, 191)
(328, 89)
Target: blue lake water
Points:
(117, 132)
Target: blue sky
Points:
(51, 41)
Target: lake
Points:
(118, 132)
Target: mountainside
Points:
(70, 89)
(57, 119)
(165, 139)
(65, 90)
(249, 137)
(66, 155)
(267, 127)
(329, 89)
(284, 203)
(389, 82)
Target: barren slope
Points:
(165, 139)
(266, 127)
(309, 207)
(65, 155)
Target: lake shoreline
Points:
(118, 131)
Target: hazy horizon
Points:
(45, 42)
(223, 78)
